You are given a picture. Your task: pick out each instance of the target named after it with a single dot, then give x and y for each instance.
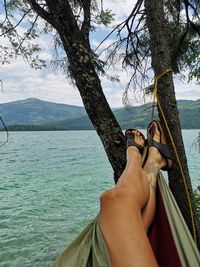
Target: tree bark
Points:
(94, 101)
(81, 66)
(160, 54)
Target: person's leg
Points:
(151, 168)
(120, 217)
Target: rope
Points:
(157, 102)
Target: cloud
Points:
(21, 82)
(188, 91)
(121, 9)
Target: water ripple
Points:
(50, 184)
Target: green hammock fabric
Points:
(186, 248)
(89, 249)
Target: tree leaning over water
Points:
(71, 22)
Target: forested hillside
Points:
(34, 114)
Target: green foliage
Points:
(183, 27)
(182, 22)
(190, 59)
(105, 17)
(34, 114)
(18, 14)
(183, 30)
(20, 17)
(37, 112)
(45, 127)
(184, 41)
(197, 201)
(190, 115)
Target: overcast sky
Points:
(21, 82)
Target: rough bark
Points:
(94, 100)
(81, 65)
(76, 45)
(160, 53)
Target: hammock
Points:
(169, 236)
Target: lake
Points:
(50, 184)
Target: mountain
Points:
(140, 116)
(135, 116)
(38, 112)
(190, 115)
(34, 114)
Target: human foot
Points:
(158, 150)
(135, 140)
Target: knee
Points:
(122, 195)
(116, 195)
(107, 196)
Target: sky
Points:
(22, 82)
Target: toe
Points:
(141, 140)
(154, 131)
(134, 132)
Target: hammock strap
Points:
(156, 102)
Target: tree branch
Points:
(87, 16)
(6, 12)
(13, 27)
(123, 23)
(187, 4)
(1, 82)
(194, 9)
(135, 9)
(62, 14)
(40, 11)
(7, 134)
(28, 33)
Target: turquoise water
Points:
(50, 183)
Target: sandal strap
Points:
(130, 140)
(163, 149)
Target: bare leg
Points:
(151, 170)
(152, 167)
(120, 216)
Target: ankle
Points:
(133, 149)
(133, 156)
(156, 158)
(152, 168)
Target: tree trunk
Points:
(161, 61)
(94, 100)
(81, 66)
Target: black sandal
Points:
(130, 140)
(163, 148)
